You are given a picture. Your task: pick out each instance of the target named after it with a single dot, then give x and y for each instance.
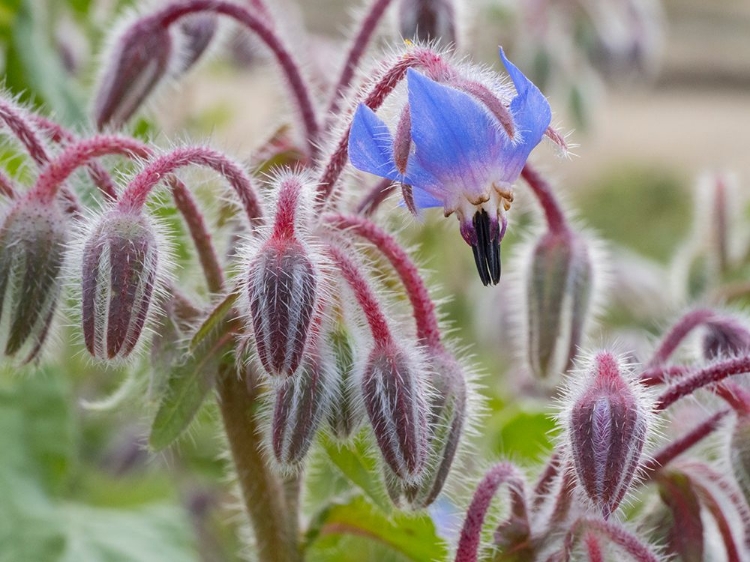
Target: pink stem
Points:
(381, 333)
(379, 192)
(375, 98)
(471, 533)
(428, 331)
(621, 537)
(6, 187)
(678, 333)
(357, 49)
(593, 548)
(676, 448)
(703, 377)
(173, 12)
(140, 187)
(659, 375)
(543, 192)
(735, 395)
(544, 484)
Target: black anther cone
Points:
(487, 249)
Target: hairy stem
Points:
(375, 197)
(679, 331)
(703, 377)
(543, 192)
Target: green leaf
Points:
(359, 467)
(189, 382)
(347, 532)
(523, 434)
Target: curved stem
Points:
(703, 377)
(7, 187)
(428, 330)
(375, 197)
(262, 489)
(357, 49)
(381, 333)
(471, 533)
(171, 13)
(618, 535)
(679, 331)
(543, 192)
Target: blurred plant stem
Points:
(262, 490)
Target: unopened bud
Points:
(446, 413)
(281, 287)
(607, 426)
(345, 415)
(302, 401)
(32, 252)
(395, 401)
(428, 20)
(677, 524)
(138, 62)
(558, 300)
(725, 337)
(119, 272)
(197, 30)
(739, 452)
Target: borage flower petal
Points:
(462, 160)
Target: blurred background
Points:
(652, 96)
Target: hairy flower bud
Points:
(725, 337)
(302, 401)
(607, 426)
(345, 415)
(558, 300)
(395, 401)
(446, 414)
(138, 62)
(32, 251)
(739, 452)
(281, 286)
(428, 20)
(197, 30)
(119, 270)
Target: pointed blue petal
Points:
(424, 200)
(531, 114)
(371, 145)
(454, 136)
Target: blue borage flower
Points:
(461, 157)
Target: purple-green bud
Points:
(138, 62)
(33, 239)
(302, 401)
(119, 270)
(345, 415)
(282, 286)
(446, 414)
(558, 300)
(197, 32)
(607, 426)
(428, 20)
(395, 401)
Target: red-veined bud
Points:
(345, 415)
(32, 252)
(725, 337)
(558, 300)
(302, 401)
(607, 425)
(119, 270)
(446, 414)
(282, 284)
(396, 405)
(197, 31)
(138, 62)
(428, 20)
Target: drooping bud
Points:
(558, 299)
(345, 416)
(119, 271)
(197, 30)
(725, 337)
(302, 401)
(446, 414)
(428, 20)
(607, 425)
(282, 286)
(679, 526)
(32, 252)
(138, 62)
(395, 401)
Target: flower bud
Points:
(345, 415)
(446, 413)
(558, 299)
(428, 20)
(607, 427)
(739, 452)
(138, 62)
(119, 270)
(395, 401)
(302, 401)
(281, 287)
(724, 337)
(197, 30)
(32, 251)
